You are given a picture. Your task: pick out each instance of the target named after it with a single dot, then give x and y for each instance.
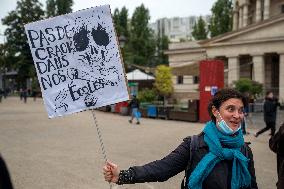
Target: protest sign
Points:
(78, 61)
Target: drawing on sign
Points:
(77, 58)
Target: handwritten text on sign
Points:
(77, 61)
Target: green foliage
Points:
(142, 42)
(116, 22)
(64, 6)
(199, 29)
(221, 19)
(244, 85)
(123, 22)
(19, 55)
(120, 20)
(58, 7)
(162, 45)
(163, 82)
(2, 57)
(147, 95)
(51, 8)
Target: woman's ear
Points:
(214, 111)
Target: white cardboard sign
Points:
(78, 61)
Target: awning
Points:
(138, 75)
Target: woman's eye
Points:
(230, 109)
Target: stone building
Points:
(254, 50)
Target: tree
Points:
(116, 21)
(221, 19)
(252, 88)
(199, 29)
(162, 45)
(64, 6)
(17, 46)
(2, 57)
(123, 22)
(51, 9)
(142, 41)
(120, 19)
(163, 82)
(58, 7)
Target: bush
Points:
(244, 85)
(147, 95)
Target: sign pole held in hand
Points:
(100, 136)
(101, 140)
(78, 62)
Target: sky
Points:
(157, 8)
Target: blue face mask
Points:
(224, 127)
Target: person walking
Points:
(21, 94)
(220, 159)
(134, 109)
(269, 114)
(276, 144)
(25, 95)
(1, 95)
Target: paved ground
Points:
(64, 153)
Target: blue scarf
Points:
(214, 138)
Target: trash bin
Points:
(152, 111)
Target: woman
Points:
(218, 161)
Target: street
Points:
(65, 153)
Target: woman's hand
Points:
(111, 172)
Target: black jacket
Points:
(177, 160)
(134, 103)
(276, 144)
(5, 180)
(270, 109)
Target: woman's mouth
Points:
(235, 123)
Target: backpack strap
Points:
(193, 147)
(244, 149)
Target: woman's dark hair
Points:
(268, 92)
(221, 96)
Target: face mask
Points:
(224, 128)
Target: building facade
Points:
(254, 49)
(177, 28)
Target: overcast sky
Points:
(157, 8)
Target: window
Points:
(195, 79)
(180, 79)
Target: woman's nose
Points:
(238, 114)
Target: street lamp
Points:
(122, 40)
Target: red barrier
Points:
(119, 105)
(211, 78)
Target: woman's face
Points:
(232, 112)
